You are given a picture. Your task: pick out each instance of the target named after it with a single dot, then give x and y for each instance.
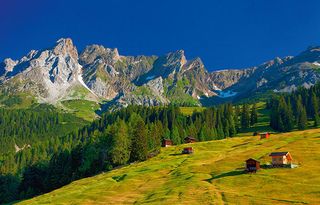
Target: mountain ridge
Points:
(101, 74)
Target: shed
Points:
(189, 139)
(280, 158)
(167, 143)
(264, 135)
(187, 150)
(252, 165)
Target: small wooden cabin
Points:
(189, 139)
(167, 143)
(264, 135)
(252, 165)
(187, 150)
(280, 158)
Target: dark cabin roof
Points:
(251, 159)
(278, 154)
(191, 138)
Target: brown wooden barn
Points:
(189, 139)
(187, 150)
(281, 158)
(167, 143)
(252, 165)
(264, 135)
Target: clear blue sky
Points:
(224, 33)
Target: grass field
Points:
(190, 110)
(212, 175)
(82, 108)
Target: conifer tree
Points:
(120, 143)
(175, 136)
(253, 115)
(315, 109)
(245, 117)
(290, 118)
(236, 118)
(139, 150)
(301, 115)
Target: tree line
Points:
(294, 110)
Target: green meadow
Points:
(212, 175)
(81, 108)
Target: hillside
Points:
(212, 175)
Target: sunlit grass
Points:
(190, 110)
(82, 108)
(212, 175)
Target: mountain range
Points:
(101, 74)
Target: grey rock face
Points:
(9, 64)
(47, 73)
(156, 85)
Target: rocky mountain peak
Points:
(196, 62)
(59, 73)
(9, 64)
(94, 52)
(177, 58)
(64, 47)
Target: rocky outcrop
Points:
(48, 74)
(223, 79)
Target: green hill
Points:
(212, 175)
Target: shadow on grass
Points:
(176, 154)
(239, 145)
(226, 174)
(119, 178)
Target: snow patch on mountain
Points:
(316, 63)
(150, 77)
(227, 94)
(215, 87)
(80, 79)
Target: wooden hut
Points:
(167, 143)
(280, 158)
(264, 135)
(189, 139)
(252, 165)
(187, 150)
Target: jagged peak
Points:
(274, 62)
(313, 48)
(9, 64)
(177, 57)
(92, 52)
(65, 46)
(277, 60)
(177, 54)
(196, 62)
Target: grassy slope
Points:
(82, 108)
(190, 110)
(212, 175)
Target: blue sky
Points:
(224, 33)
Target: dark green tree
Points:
(253, 115)
(245, 116)
(301, 115)
(139, 150)
(120, 143)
